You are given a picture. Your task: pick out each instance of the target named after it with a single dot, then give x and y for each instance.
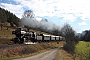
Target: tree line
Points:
(7, 16)
(86, 36)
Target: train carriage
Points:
(39, 37)
(53, 38)
(46, 37)
(57, 38)
(60, 38)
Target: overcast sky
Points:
(74, 12)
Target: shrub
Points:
(29, 49)
(70, 48)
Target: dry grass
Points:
(27, 50)
(63, 55)
(4, 41)
(6, 36)
(6, 33)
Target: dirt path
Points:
(48, 55)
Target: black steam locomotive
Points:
(26, 37)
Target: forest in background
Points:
(7, 16)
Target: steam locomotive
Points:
(25, 37)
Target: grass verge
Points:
(83, 50)
(63, 55)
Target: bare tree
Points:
(70, 38)
(28, 13)
(68, 32)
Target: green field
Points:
(83, 50)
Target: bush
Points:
(30, 49)
(70, 48)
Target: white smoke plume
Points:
(42, 24)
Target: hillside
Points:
(8, 21)
(7, 16)
(6, 33)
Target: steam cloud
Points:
(43, 24)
